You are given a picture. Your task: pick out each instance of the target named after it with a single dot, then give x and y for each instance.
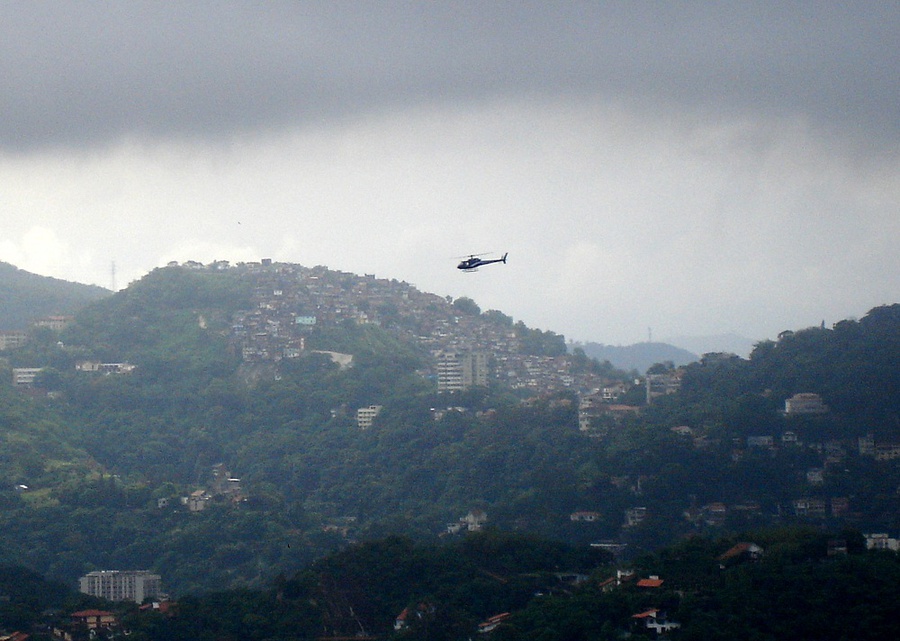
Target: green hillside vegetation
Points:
(25, 297)
(395, 588)
(37, 449)
(107, 459)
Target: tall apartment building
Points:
(662, 384)
(12, 339)
(366, 415)
(121, 585)
(460, 371)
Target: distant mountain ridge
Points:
(636, 357)
(25, 296)
(729, 343)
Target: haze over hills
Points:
(637, 357)
(729, 343)
(25, 296)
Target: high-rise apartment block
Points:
(120, 585)
(366, 415)
(460, 371)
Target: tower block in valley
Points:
(121, 585)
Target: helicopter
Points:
(474, 261)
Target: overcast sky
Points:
(696, 168)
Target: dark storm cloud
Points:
(78, 73)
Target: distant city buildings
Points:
(121, 585)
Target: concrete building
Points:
(881, 541)
(366, 415)
(24, 376)
(458, 371)
(662, 384)
(805, 403)
(120, 585)
(56, 323)
(12, 339)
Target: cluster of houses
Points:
(652, 619)
(93, 623)
(473, 521)
(13, 339)
(290, 301)
(223, 488)
(137, 586)
(815, 504)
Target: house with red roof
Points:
(93, 619)
(655, 620)
(741, 552)
(491, 624)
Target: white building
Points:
(365, 416)
(881, 541)
(121, 585)
(12, 339)
(56, 323)
(24, 376)
(805, 403)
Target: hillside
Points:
(778, 583)
(25, 297)
(639, 357)
(221, 445)
(520, 588)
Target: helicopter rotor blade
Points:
(472, 255)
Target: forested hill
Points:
(25, 297)
(639, 357)
(203, 423)
(797, 583)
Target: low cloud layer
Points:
(695, 170)
(81, 73)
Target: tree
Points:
(466, 306)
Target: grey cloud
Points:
(80, 73)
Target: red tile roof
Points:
(649, 583)
(92, 613)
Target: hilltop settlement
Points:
(251, 418)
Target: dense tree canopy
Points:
(95, 472)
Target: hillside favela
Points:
(270, 451)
